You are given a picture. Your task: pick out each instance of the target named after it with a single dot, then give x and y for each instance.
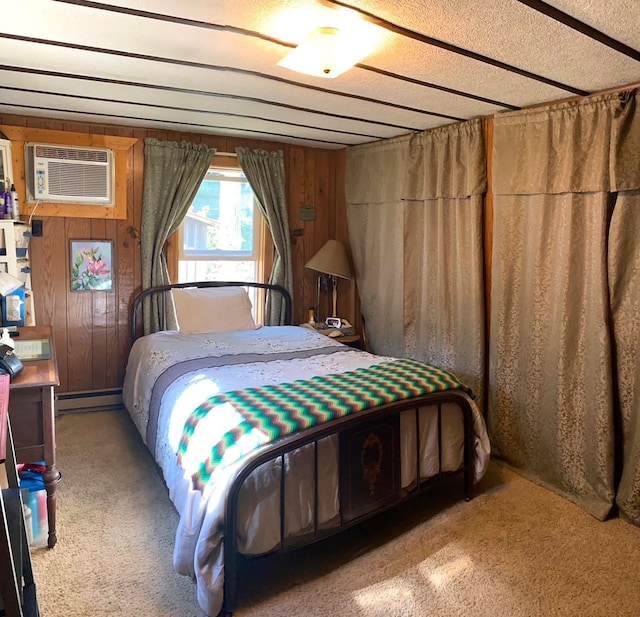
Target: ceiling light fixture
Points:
(326, 52)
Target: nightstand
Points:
(353, 340)
(17, 588)
(31, 409)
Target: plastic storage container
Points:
(34, 497)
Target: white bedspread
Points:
(198, 540)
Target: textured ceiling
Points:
(210, 66)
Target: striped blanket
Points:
(267, 413)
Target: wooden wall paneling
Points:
(323, 229)
(111, 361)
(80, 321)
(270, 146)
(350, 305)
(45, 123)
(189, 137)
(310, 277)
(44, 265)
(129, 267)
(99, 324)
(237, 142)
(159, 135)
(13, 120)
(49, 279)
(219, 142)
(295, 199)
(92, 332)
(97, 129)
(55, 231)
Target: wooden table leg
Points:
(51, 478)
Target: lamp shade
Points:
(331, 259)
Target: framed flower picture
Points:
(91, 265)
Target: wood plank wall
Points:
(91, 329)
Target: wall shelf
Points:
(14, 259)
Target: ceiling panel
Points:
(211, 66)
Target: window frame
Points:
(264, 251)
(222, 255)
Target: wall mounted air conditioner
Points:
(69, 174)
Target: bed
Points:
(270, 438)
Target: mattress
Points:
(169, 374)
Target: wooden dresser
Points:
(17, 589)
(31, 409)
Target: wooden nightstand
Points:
(31, 409)
(353, 340)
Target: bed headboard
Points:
(137, 301)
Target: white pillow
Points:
(213, 309)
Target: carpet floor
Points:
(516, 549)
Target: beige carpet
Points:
(515, 550)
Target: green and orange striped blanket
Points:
(267, 413)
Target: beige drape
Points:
(443, 256)
(624, 267)
(624, 278)
(552, 383)
(375, 176)
(414, 209)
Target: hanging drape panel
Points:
(173, 173)
(551, 379)
(375, 176)
(443, 254)
(624, 281)
(624, 267)
(266, 175)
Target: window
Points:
(221, 233)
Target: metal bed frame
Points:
(152, 291)
(368, 420)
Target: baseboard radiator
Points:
(90, 400)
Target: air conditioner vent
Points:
(71, 154)
(85, 181)
(69, 174)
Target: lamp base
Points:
(334, 282)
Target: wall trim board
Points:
(18, 135)
(90, 400)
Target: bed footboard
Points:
(369, 471)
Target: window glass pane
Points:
(201, 270)
(220, 220)
(221, 234)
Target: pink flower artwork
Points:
(91, 265)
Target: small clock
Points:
(333, 322)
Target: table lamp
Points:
(331, 259)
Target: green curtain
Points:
(265, 172)
(173, 173)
